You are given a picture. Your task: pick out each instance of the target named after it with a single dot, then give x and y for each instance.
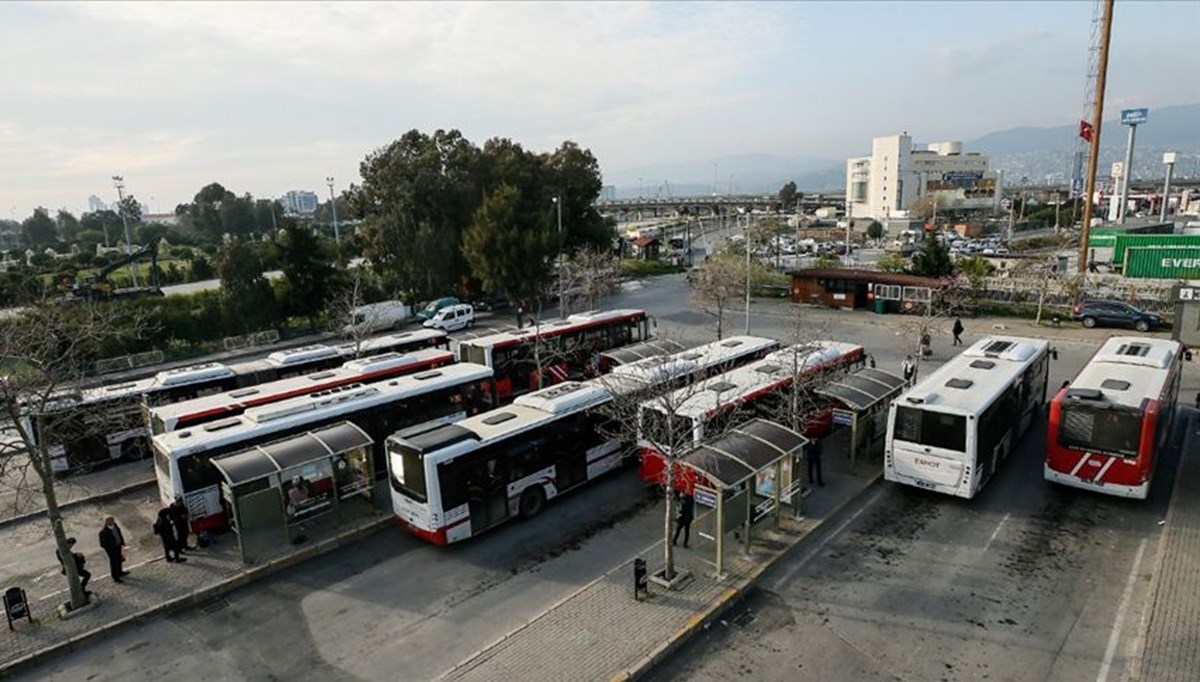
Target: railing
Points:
(126, 362)
(251, 340)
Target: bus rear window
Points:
(1084, 427)
(408, 472)
(934, 429)
(475, 354)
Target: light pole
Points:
(1169, 159)
(337, 236)
(119, 183)
(746, 240)
(558, 208)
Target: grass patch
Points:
(636, 267)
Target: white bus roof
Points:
(709, 355)
(389, 340)
(552, 327)
(1128, 369)
(970, 381)
(714, 392)
(293, 356)
(348, 372)
(267, 419)
(168, 378)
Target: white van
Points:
(374, 317)
(452, 318)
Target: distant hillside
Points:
(1175, 127)
(743, 174)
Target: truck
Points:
(375, 317)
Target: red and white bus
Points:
(183, 459)
(119, 408)
(566, 348)
(697, 411)
(369, 370)
(1109, 425)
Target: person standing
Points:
(958, 330)
(179, 518)
(80, 561)
(815, 476)
(164, 528)
(112, 541)
(687, 511)
(908, 369)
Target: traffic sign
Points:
(1189, 294)
(1132, 117)
(843, 417)
(705, 497)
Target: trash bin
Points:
(880, 306)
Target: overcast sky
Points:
(270, 97)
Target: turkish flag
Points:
(1085, 130)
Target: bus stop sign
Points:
(843, 417)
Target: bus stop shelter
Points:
(750, 472)
(860, 400)
(276, 493)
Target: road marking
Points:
(787, 577)
(100, 578)
(996, 532)
(1115, 635)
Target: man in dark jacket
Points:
(165, 530)
(112, 541)
(814, 463)
(80, 560)
(179, 518)
(687, 511)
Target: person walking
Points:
(815, 476)
(958, 330)
(908, 369)
(80, 561)
(112, 541)
(687, 511)
(164, 528)
(179, 518)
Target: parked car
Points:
(488, 302)
(1116, 314)
(435, 305)
(452, 318)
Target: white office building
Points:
(889, 181)
(299, 202)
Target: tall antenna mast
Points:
(1094, 135)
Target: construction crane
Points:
(1097, 72)
(98, 286)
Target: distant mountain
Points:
(742, 174)
(1175, 127)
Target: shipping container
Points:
(1162, 262)
(1126, 241)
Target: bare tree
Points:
(45, 350)
(720, 284)
(588, 276)
(343, 310)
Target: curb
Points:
(1139, 653)
(91, 499)
(197, 596)
(731, 596)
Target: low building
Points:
(851, 288)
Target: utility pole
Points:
(747, 243)
(1130, 118)
(1094, 149)
(337, 235)
(119, 183)
(561, 304)
(1169, 159)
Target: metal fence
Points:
(250, 340)
(126, 362)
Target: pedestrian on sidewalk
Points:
(165, 530)
(958, 330)
(687, 511)
(112, 541)
(179, 518)
(80, 560)
(814, 463)
(908, 368)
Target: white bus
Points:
(183, 459)
(951, 431)
(756, 387)
(369, 370)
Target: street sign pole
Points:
(1131, 118)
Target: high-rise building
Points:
(896, 175)
(95, 204)
(299, 202)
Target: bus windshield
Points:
(935, 429)
(408, 472)
(1113, 430)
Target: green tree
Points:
(874, 230)
(105, 222)
(238, 216)
(788, 196)
(146, 233)
(933, 259)
(307, 271)
(39, 229)
(506, 252)
(976, 269)
(892, 262)
(68, 226)
(130, 208)
(572, 174)
(246, 297)
(88, 239)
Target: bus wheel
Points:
(532, 501)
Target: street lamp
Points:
(119, 183)
(558, 208)
(337, 236)
(746, 242)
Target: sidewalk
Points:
(601, 632)
(153, 586)
(20, 501)
(1172, 644)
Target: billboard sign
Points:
(1132, 117)
(962, 175)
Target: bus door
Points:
(486, 485)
